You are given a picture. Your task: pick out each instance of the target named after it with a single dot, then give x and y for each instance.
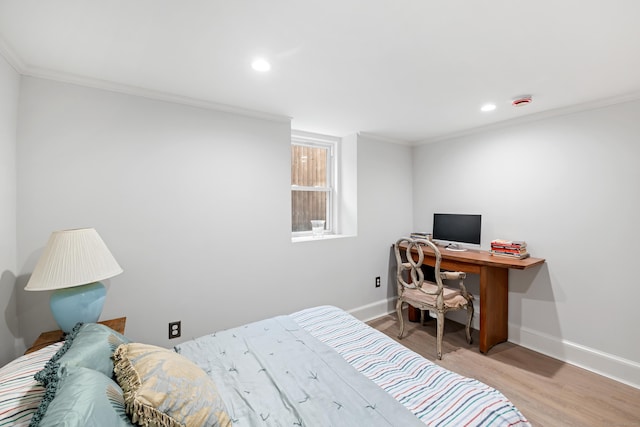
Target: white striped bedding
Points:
(435, 395)
(20, 393)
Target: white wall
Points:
(569, 186)
(181, 194)
(195, 206)
(384, 198)
(9, 88)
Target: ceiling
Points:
(405, 70)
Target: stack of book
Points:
(421, 235)
(509, 248)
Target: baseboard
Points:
(605, 364)
(374, 310)
(384, 307)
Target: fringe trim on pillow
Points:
(144, 415)
(49, 378)
(49, 394)
(126, 373)
(50, 370)
(129, 380)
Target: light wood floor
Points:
(548, 392)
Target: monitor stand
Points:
(455, 247)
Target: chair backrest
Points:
(405, 249)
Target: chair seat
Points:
(452, 297)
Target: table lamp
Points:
(72, 264)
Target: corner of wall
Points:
(10, 88)
(348, 186)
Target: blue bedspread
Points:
(274, 373)
(323, 367)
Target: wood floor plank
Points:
(547, 391)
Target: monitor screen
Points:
(457, 228)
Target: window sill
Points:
(319, 239)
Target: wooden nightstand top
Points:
(51, 337)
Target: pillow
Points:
(164, 388)
(20, 393)
(81, 397)
(90, 345)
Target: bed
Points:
(316, 367)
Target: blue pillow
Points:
(81, 397)
(89, 345)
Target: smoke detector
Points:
(521, 101)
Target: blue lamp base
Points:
(78, 304)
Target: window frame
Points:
(329, 143)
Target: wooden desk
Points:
(51, 337)
(494, 286)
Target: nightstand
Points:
(51, 337)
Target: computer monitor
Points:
(453, 229)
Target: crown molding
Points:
(384, 139)
(25, 70)
(542, 115)
(149, 93)
(11, 57)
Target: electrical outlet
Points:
(175, 329)
(378, 282)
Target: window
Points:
(313, 160)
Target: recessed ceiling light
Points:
(488, 107)
(261, 64)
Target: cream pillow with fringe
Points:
(165, 389)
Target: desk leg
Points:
(414, 314)
(494, 306)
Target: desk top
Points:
(478, 257)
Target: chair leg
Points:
(440, 333)
(400, 317)
(469, 319)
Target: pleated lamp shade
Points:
(72, 264)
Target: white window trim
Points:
(331, 143)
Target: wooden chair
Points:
(426, 295)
